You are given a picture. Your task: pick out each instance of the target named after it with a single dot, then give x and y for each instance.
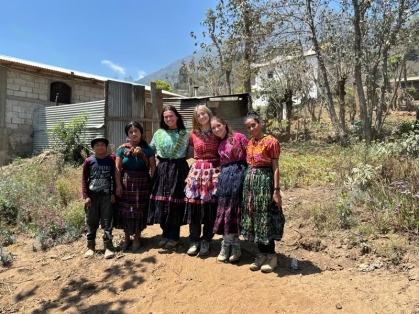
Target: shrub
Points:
(69, 139)
(5, 258)
(74, 214)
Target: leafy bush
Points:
(5, 258)
(37, 194)
(69, 139)
(74, 214)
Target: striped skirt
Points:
(131, 208)
(261, 220)
(229, 192)
(167, 199)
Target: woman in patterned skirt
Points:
(134, 161)
(262, 220)
(232, 151)
(201, 183)
(167, 200)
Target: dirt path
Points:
(156, 281)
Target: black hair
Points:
(143, 142)
(252, 115)
(180, 124)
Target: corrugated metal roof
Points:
(38, 65)
(44, 119)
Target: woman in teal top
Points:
(167, 200)
(134, 163)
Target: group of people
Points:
(231, 189)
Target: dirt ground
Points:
(153, 280)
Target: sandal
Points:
(136, 245)
(125, 245)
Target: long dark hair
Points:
(229, 130)
(143, 142)
(180, 124)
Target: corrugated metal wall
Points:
(45, 118)
(125, 103)
(185, 107)
(231, 107)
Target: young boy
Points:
(98, 184)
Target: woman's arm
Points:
(277, 191)
(118, 167)
(152, 165)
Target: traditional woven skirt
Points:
(200, 191)
(261, 220)
(229, 192)
(131, 207)
(167, 199)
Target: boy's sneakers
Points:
(163, 242)
(193, 248)
(270, 263)
(108, 249)
(225, 252)
(90, 248)
(204, 248)
(259, 261)
(171, 244)
(236, 253)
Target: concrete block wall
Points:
(83, 93)
(26, 92)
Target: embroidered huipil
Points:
(232, 151)
(261, 153)
(171, 144)
(202, 179)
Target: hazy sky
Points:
(108, 38)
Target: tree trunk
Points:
(228, 81)
(288, 102)
(358, 72)
(342, 93)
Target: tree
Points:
(163, 85)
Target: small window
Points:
(270, 74)
(63, 91)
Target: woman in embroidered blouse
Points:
(167, 200)
(232, 151)
(134, 161)
(262, 220)
(201, 183)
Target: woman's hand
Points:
(277, 198)
(118, 191)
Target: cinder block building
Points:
(27, 85)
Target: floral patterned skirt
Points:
(202, 180)
(200, 191)
(229, 192)
(261, 220)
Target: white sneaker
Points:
(225, 252)
(270, 263)
(259, 261)
(193, 249)
(204, 248)
(236, 253)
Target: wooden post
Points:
(155, 104)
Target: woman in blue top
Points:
(167, 200)
(134, 163)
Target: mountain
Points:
(170, 73)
